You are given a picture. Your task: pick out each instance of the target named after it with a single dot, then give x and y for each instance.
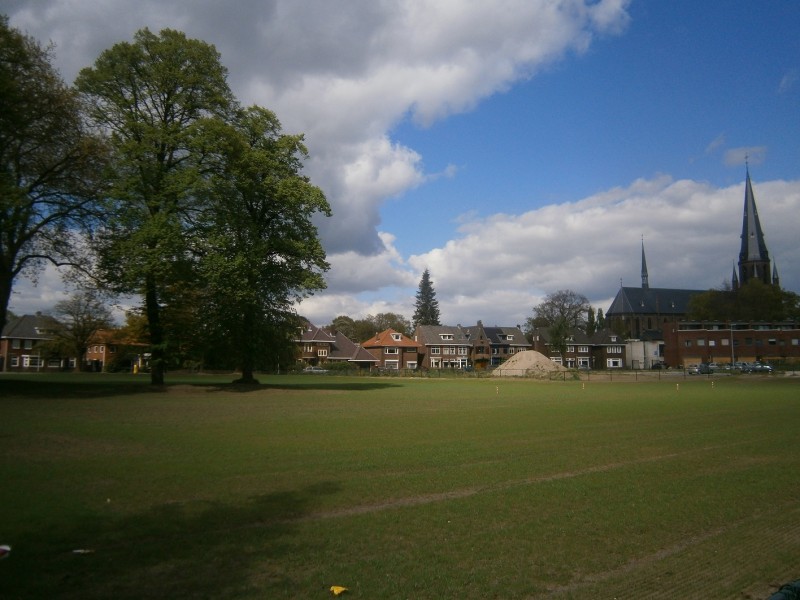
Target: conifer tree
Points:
(426, 309)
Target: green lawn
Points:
(398, 488)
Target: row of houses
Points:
(29, 343)
(476, 347)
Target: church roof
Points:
(650, 301)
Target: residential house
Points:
(26, 345)
(491, 346)
(108, 350)
(318, 347)
(393, 350)
(446, 347)
(602, 350)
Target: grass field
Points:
(398, 488)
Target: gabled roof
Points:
(650, 301)
(31, 327)
(312, 333)
(497, 336)
(577, 337)
(345, 349)
(435, 335)
(390, 338)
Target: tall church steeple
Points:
(645, 283)
(753, 256)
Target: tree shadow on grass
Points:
(209, 550)
(102, 385)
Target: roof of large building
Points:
(31, 327)
(651, 301)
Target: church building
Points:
(645, 312)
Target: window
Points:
(688, 343)
(510, 338)
(613, 338)
(463, 350)
(449, 349)
(447, 336)
(712, 343)
(28, 344)
(571, 349)
(725, 342)
(391, 364)
(436, 350)
(614, 363)
(511, 350)
(615, 349)
(31, 361)
(397, 337)
(701, 342)
(15, 361)
(436, 363)
(16, 344)
(772, 342)
(583, 349)
(308, 348)
(390, 350)
(583, 362)
(322, 352)
(53, 363)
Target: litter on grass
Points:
(337, 590)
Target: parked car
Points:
(759, 368)
(705, 369)
(315, 371)
(693, 369)
(714, 367)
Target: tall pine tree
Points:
(426, 309)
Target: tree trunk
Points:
(157, 353)
(246, 358)
(6, 281)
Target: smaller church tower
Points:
(753, 256)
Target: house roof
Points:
(312, 333)
(390, 338)
(498, 336)
(345, 349)
(651, 301)
(602, 337)
(429, 335)
(31, 327)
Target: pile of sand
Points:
(528, 363)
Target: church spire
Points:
(753, 256)
(645, 283)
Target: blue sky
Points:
(513, 148)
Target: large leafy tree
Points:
(426, 307)
(260, 250)
(153, 98)
(754, 301)
(49, 164)
(82, 315)
(560, 312)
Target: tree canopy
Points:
(50, 165)
(208, 214)
(426, 307)
(259, 250)
(754, 301)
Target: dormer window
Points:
(447, 336)
(397, 337)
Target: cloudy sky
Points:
(514, 148)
